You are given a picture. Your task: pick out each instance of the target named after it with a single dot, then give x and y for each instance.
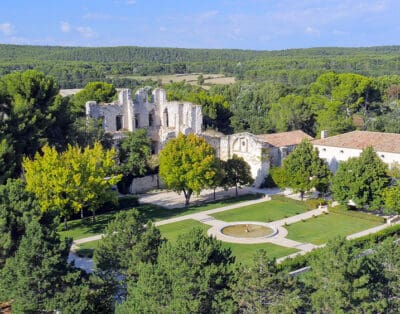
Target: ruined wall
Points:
(145, 184)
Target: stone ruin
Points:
(163, 119)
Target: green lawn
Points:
(82, 228)
(244, 252)
(322, 228)
(278, 208)
(172, 231)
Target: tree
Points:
(38, 278)
(95, 91)
(262, 288)
(191, 276)
(27, 116)
(391, 196)
(17, 209)
(200, 79)
(305, 170)
(70, 181)
(126, 242)
(346, 282)
(362, 180)
(188, 164)
(292, 113)
(134, 153)
(237, 173)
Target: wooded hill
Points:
(76, 66)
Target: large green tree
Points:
(73, 180)
(345, 281)
(28, 114)
(17, 209)
(361, 180)
(192, 275)
(237, 173)
(291, 112)
(188, 164)
(126, 242)
(96, 91)
(134, 153)
(262, 288)
(304, 169)
(39, 279)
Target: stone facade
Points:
(163, 119)
(260, 151)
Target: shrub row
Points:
(352, 213)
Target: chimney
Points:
(324, 134)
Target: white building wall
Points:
(335, 155)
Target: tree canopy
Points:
(70, 181)
(303, 170)
(188, 164)
(361, 180)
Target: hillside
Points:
(73, 67)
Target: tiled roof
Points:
(381, 142)
(284, 138)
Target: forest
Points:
(74, 67)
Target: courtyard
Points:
(299, 229)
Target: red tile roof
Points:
(284, 138)
(381, 142)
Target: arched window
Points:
(151, 118)
(166, 118)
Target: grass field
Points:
(322, 228)
(244, 252)
(209, 79)
(82, 228)
(278, 208)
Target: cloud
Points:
(65, 27)
(130, 2)
(85, 31)
(6, 28)
(163, 29)
(97, 16)
(312, 31)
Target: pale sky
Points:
(247, 24)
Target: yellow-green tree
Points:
(188, 164)
(70, 181)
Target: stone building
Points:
(163, 119)
(335, 149)
(259, 151)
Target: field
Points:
(209, 79)
(278, 208)
(82, 228)
(322, 228)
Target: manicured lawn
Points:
(82, 228)
(278, 208)
(87, 249)
(322, 228)
(244, 252)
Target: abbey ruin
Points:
(165, 119)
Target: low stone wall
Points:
(144, 184)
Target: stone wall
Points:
(144, 184)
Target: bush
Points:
(268, 182)
(343, 210)
(315, 202)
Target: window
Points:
(341, 151)
(166, 118)
(136, 121)
(324, 149)
(151, 119)
(118, 123)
